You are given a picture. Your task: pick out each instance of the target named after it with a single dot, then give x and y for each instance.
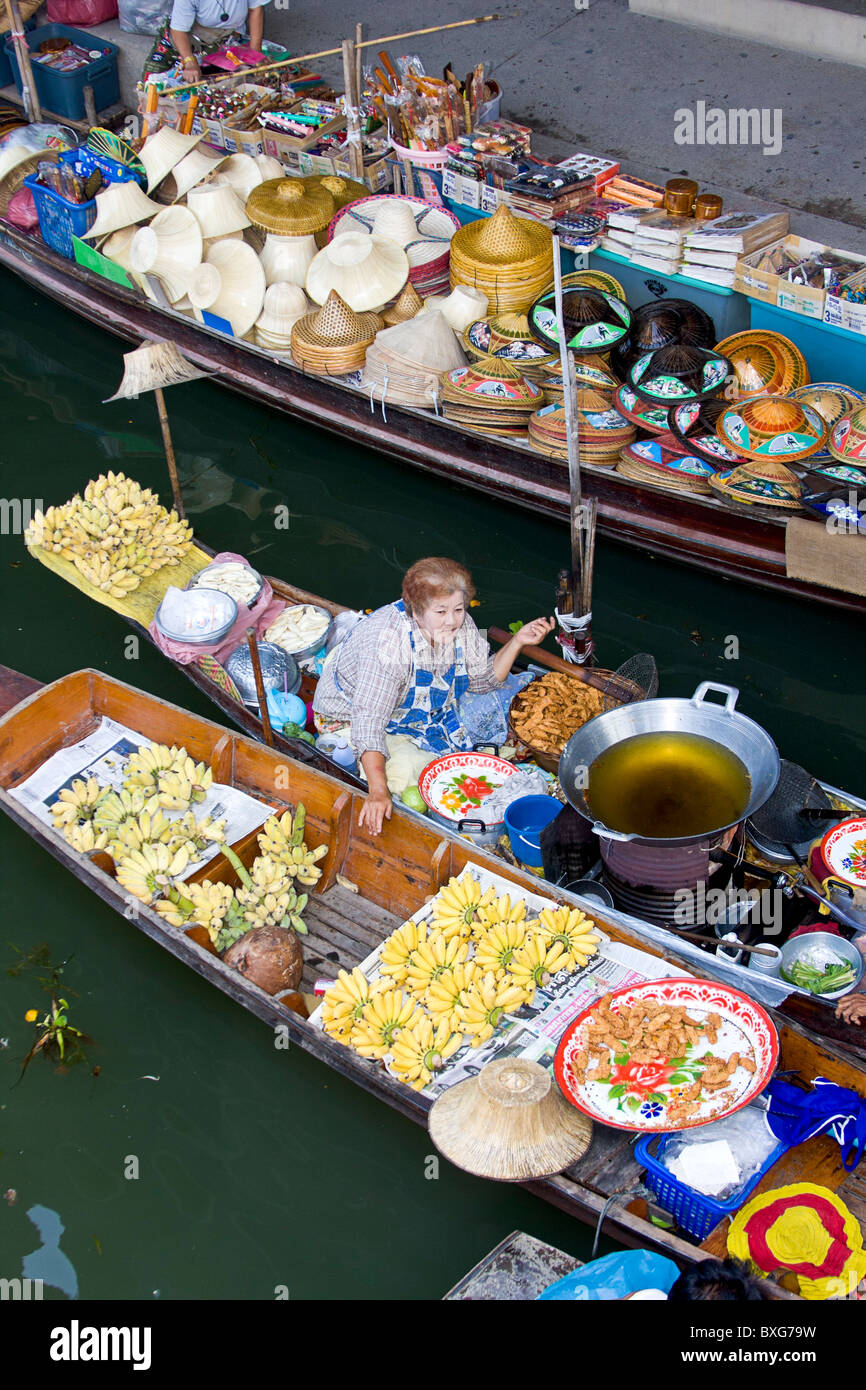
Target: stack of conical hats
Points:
(509, 258)
(334, 340)
(508, 336)
(405, 364)
(588, 371)
(601, 431)
(490, 396)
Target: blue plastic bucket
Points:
(525, 819)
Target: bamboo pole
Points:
(569, 395)
(32, 108)
(253, 645)
(332, 52)
(359, 73)
(356, 154)
(176, 493)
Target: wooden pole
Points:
(331, 52)
(169, 452)
(569, 394)
(32, 108)
(354, 141)
(253, 645)
(359, 72)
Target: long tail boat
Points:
(699, 531)
(393, 874)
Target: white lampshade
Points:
(287, 258)
(230, 284)
(170, 248)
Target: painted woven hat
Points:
(804, 1228)
(288, 208)
(366, 271)
(772, 427)
(847, 441)
(663, 321)
(490, 395)
(653, 418)
(508, 336)
(163, 150)
(589, 280)
(664, 462)
(765, 363)
(587, 372)
(693, 425)
(832, 400)
(594, 322)
(678, 373)
(764, 483)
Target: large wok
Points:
(739, 734)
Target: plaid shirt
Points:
(374, 667)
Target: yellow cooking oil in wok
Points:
(668, 786)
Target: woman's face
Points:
(444, 616)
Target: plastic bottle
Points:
(337, 749)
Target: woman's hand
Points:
(852, 1008)
(375, 810)
(191, 70)
(532, 634)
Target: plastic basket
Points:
(62, 93)
(87, 161)
(833, 354)
(694, 1212)
(60, 220)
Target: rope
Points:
(639, 1191)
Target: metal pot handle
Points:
(472, 827)
(730, 691)
(603, 833)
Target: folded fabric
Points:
(796, 1115)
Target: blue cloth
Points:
(429, 713)
(614, 1277)
(186, 13)
(796, 1115)
(485, 714)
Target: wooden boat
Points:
(394, 874)
(698, 531)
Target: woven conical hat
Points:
(243, 174)
(461, 307)
(407, 304)
(152, 365)
(162, 151)
(197, 165)
(510, 1123)
(217, 207)
(120, 205)
(503, 239)
(335, 324)
(477, 385)
(288, 208)
(426, 342)
(366, 271)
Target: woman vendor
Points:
(211, 20)
(395, 684)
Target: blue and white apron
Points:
(428, 713)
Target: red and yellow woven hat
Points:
(804, 1228)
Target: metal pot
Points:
(739, 734)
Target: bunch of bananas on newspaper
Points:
(116, 534)
(451, 978)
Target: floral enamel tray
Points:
(643, 1094)
(456, 785)
(844, 851)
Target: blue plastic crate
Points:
(62, 93)
(87, 161)
(833, 354)
(60, 220)
(728, 309)
(6, 77)
(694, 1213)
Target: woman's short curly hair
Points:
(432, 578)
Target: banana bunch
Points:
(421, 1049)
(147, 828)
(486, 1001)
(168, 774)
(574, 932)
(382, 1020)
(535, 963)
(271, 898)
(116, 808)
(432, 958)
(344, 1003)
(74, 812)
(399, 948)
(449, 992)
(496, 912)
(283, 838)
(115, 534)
(497, 946)
(85, 837)
(199, 904)
(458, 904)
(196, 834)
(149, 872)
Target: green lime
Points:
(412, 798)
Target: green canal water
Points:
(258, 1168)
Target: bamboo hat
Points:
(426, 343)
(586, 373)
(765, 483)
(398, 385)
(283, 305)
(199, 164)
(509, 258)
(230, 284)
(217, 207)
(653, 418)
(154, 365)
(120, 205)
(268, 167)
(285, 206)
(343, 191)
(772, 427)
(13, 179)
(162, 151)
(117, 246)
(765, 363)
(461, 307)
(287, 258)
(366, 271)
(507, 335)
(832, 400)
(407, 304)
(169, 248)
(847, 441)
(510, 1123)
(678, 373)
(333, 340)
(243, 174)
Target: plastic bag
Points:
(614, 1277)
(81, 14)
(142, 16)
(485, 716)
(748, 1135)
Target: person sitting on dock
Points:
(211, 20)
(394, 686)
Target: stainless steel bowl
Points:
(223, 603)
(800, 945)
(279, 671)
(304, 652)
(200, 580)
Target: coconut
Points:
(271, 957)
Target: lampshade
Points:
(170, 248)
(229, 284)
(366, 271)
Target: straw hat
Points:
(366, 271)
(426, 342)
(765, 363)
(461, 307)
(16, 173)
(230, 284)
(117, 246)
(678, 373)
(120, 205)
(209, 241)
(170, 248)
(217, 207)
(847, 441)
(152, 365)
(772, 427)
(342, 191)
(199, 164)
(395, 220)
(510, 258)
(287, 258)
(407, 304)
(334, 339)
(161, 152)
(510, 1123)
(243, 174)
(765, 482)
(507, 335)
(284, 304)
(286, 207)
(268, 167)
